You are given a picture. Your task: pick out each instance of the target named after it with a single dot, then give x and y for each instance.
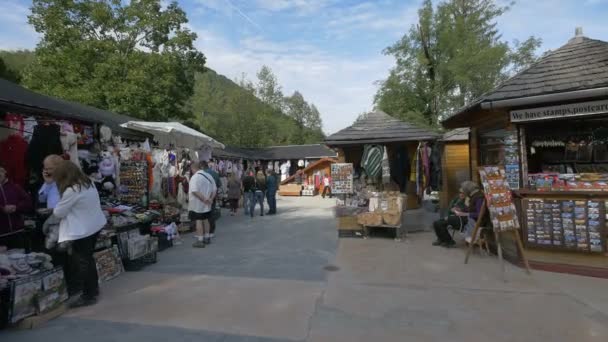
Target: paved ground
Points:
(263, 280)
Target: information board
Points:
(342, 178)
(499, 199)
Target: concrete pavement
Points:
(264, 280)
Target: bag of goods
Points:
(392, 217)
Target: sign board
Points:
(342, 178)
(561, 111)
(499, 199)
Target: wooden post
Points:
(482, 213)
(520, 248)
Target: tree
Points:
(129, 57)
(452, 55)
(268, 89)
(298, 110)
(8, 73)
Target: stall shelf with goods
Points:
(311, 178)
(391, 154)
(552, 142)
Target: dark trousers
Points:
(258, 197)
(271, 196)
(85, 272)
(326, 189)
(212, 219)
(234, 204)
(441, 227)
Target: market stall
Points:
(548, 127)
(387, 157)
(116, 159)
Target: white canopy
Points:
(174, 133)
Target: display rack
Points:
(133, 188)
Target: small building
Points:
(402, 141)
(548, 126)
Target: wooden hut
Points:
(401, 140)
(548, 126)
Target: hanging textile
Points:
(435, 161)
(13, 150)
(400, 167)
(419, 172)
(45, 141)
(386, 168)
(69, 141)
(371, 161)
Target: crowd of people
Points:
(203, 205)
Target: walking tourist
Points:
(457, 205)
(234, 193)
(272, 186)
(248, 191)
(216, 178)
(81, 220)
(201, 193)
(326, 186)
(259, 193)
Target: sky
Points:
(329, 50)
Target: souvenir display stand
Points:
(499, 205)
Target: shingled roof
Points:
(286, 152)
(579, 65)
(458, 134)
(379, 127)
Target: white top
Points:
(203, 183)
(326, 181)
(80, 214)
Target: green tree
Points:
(129, 57)
(268, 89)
(8, 73)
(452, 55)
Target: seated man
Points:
(457, 218)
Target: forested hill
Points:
(223, 109)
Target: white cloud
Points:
(302, 6)
(340, 87)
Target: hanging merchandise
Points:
(372, 161)
(13, 150)
(435, 168)
(386, 168)
(28, 128)
(105, 134)
(86, 134)
(69, 141)
(419, 171)
(15, 122)
(46, 140)
(133, 187)
(301, 163)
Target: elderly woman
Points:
(475, 199)
(456, 218)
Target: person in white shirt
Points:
(201, 194)
(81, 220)
(326, 186)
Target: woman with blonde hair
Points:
(81, 220)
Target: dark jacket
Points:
(272, 183)
(459, 204)
(248, 183)
(13, 194)
(475, 204)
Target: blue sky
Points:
(330, 50)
